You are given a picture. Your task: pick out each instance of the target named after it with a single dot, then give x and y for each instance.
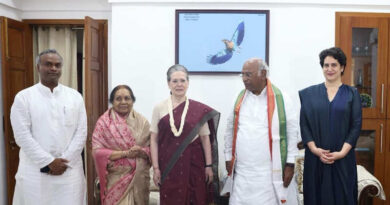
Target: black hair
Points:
(47, 51)
(112, 94)
(337, 54)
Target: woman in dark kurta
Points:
(330, 123)
(192, 179)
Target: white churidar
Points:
(49, 125)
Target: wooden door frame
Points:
(380, 127)
(95, 57)
(339, 16)
(386, 185)
(350, 18)
(81, 22)
(11, 65)
(75, 22)
(382, 122)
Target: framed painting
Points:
(220, 41)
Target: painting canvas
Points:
(210, 41)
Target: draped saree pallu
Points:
(126, 180)
(277, 135)
(181, 159)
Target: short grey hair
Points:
(262, 65)
(47, 51)
(175, 68)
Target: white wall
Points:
(11, 3)
(8, 10)
(143, 47)
(70, 9)
(84, 5)
(142, 41)
(328, 2)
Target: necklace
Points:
(172, 121)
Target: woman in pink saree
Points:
(184, 146)
(120, 144)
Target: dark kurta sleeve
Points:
(306, 133)
(356, 119)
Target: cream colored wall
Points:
(143, 47)
(47, 9)
(141, 44)
(8, 10)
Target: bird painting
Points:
(230, 46)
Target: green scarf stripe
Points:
(239, 97)
(282, 125)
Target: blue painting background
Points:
(201, 34)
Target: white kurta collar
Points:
(262, 94)
(46, 90)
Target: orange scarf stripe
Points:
(270, 111)
(271, 108)
(235, 129)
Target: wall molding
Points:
(279, 2)
(13, 7)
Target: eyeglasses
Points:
(246, 74)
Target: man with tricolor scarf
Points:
(260, 141)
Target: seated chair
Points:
(368, 185)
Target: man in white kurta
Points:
(50, 127)
(253, 183)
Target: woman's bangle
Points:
(124, 154)
(208, 165)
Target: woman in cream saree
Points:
(120, 145)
